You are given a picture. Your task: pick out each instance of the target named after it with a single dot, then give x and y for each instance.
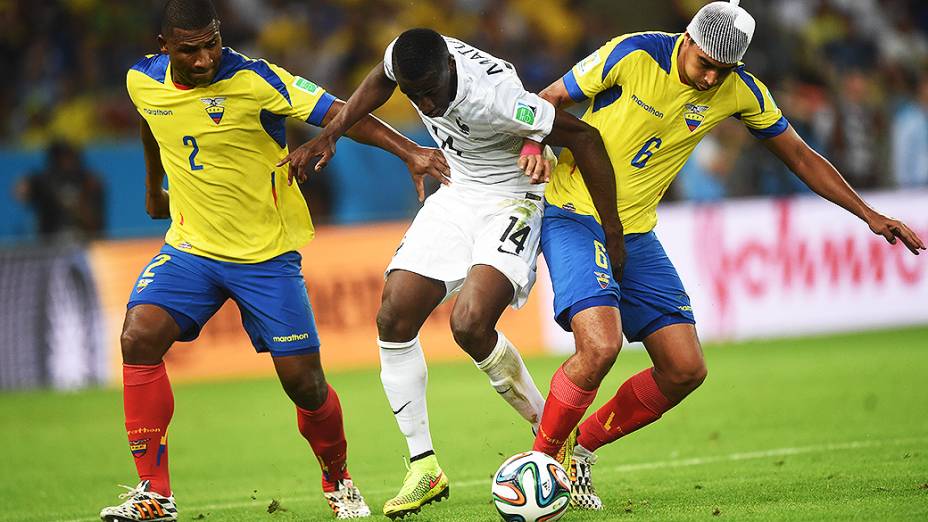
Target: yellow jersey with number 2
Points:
(651, 121)
(220, 145)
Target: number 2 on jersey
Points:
(519, 237)
(190, 140)
(641, 159)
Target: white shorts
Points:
(458, 228)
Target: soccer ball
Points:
(531, 487)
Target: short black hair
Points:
(418, 53)
(187, 14)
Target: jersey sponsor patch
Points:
(588, 63)
(525, 113)
(305, 85)
(214, 108)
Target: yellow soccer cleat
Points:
(425, 483)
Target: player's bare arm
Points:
(157, 202)
(822, 177)
(588, 149)
(353, 118)
(532, 160)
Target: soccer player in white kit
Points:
(477, 236)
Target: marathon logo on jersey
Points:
(525, 113)
(694, 115)
(138, 447)
(214, 108)
(142, 285)
(603, 279)
(305, 85)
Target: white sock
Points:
(510, 378)
(404, 377)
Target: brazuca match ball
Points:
(531, 487)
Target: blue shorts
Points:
(651, 295)
(270, 295)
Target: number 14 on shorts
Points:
(517, 237)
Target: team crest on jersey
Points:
(142, 285)
(603, 279)
(214, 108)
(138, 447)
(694, 115)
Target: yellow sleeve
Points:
(282, 93)
(595, 73)
(756, 108)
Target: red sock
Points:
(324, 430)
(564, 408)
(149, 406)
(638, 402)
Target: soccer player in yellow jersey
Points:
(213, 121)
(653, 97)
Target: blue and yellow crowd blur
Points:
(849, 74)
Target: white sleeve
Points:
(515, 111)
(388, 61)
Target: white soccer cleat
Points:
(141, 504)
(346, 501)
(582, 493)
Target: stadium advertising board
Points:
(781, 268)
(344, 275)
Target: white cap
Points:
(723, 30)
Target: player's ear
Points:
(163, 43)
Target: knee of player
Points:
(139, 346)
(392, 327)
(689, 376)
(308, 391)
(607, 355)
(469, 326)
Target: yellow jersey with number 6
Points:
(651, 121)
(220, 145)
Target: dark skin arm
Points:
(595, 167)
(353, 118)
(156, 198)
(822, 177)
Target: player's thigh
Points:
(575, 254)
(598, 330)
(676, 351)
(653, 295)
(483, 298)
(177, 284)
(508, 240)
(275, 307)
(408, 300)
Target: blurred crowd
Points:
(849, 74)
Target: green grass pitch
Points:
(831, 428)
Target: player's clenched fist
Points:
(322, 147)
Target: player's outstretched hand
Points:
(322, 147)
(891, 229)
(427, 161)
